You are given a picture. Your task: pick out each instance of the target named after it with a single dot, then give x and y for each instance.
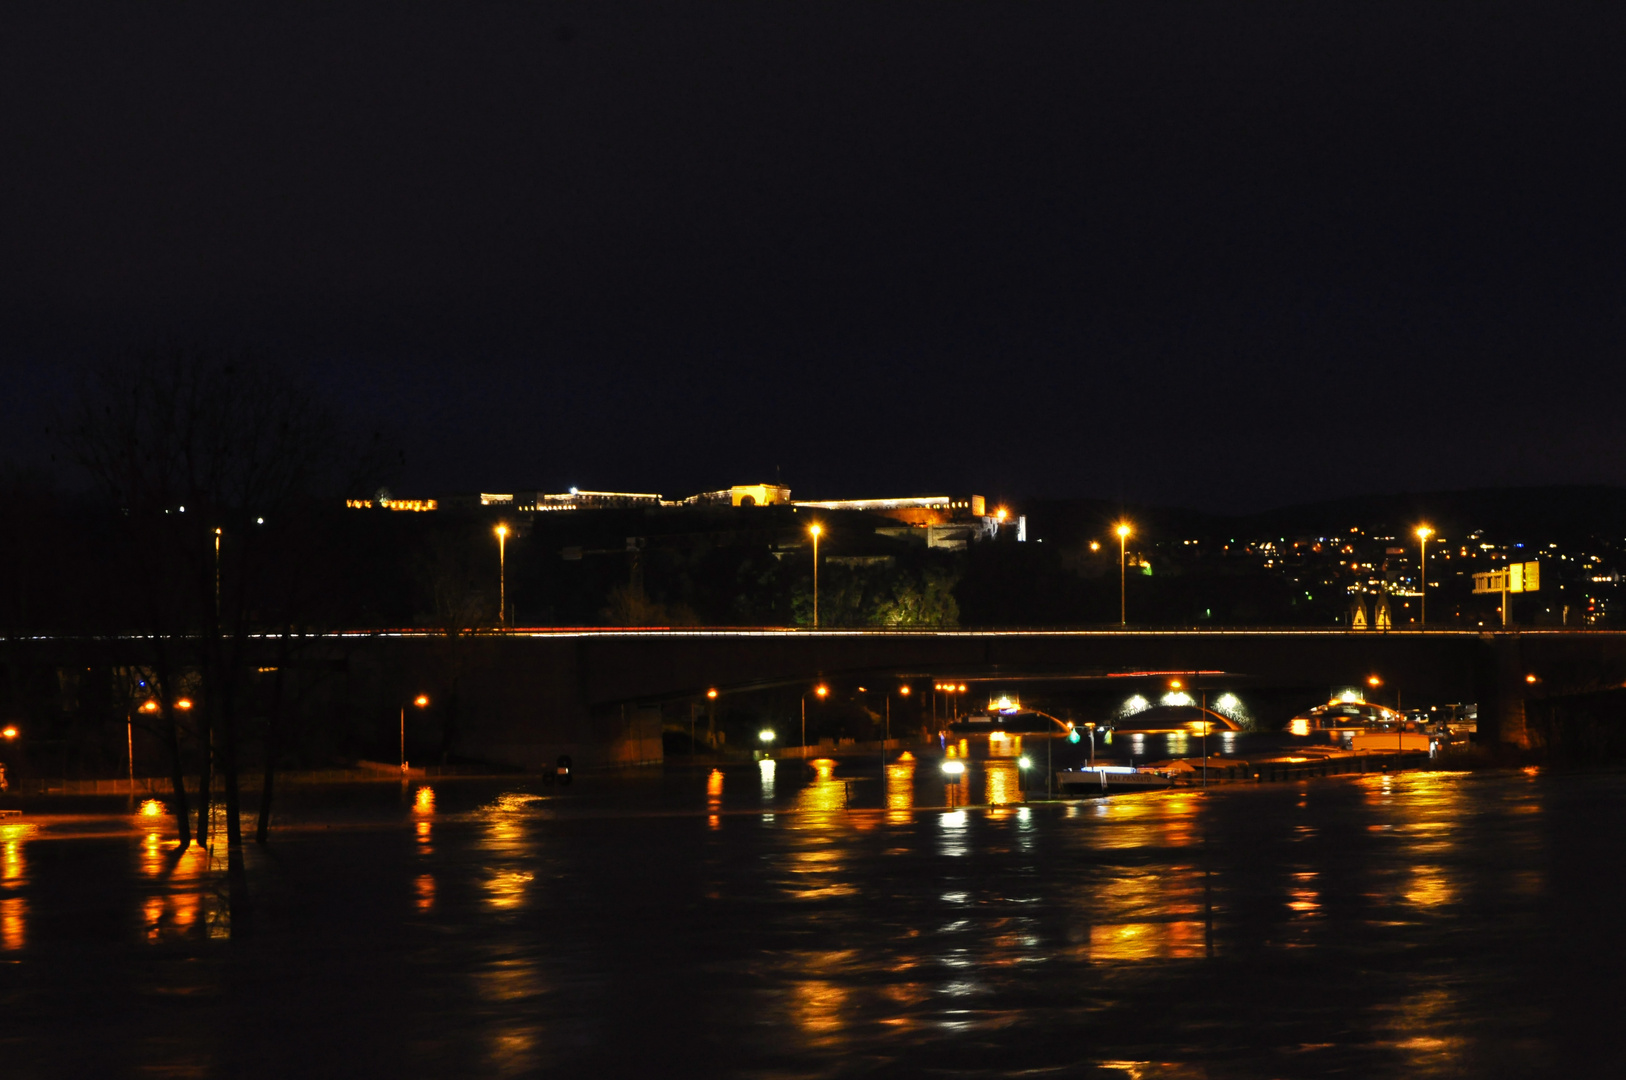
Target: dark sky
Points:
(1228, 255)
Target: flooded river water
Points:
(820, 920)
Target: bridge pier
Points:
(1501, 686)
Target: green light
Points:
(1072, 736)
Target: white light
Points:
(954, 766)
(766, 735)
(573, 491)
(259, 521)
(1024, 763)
(1177, 697)
(1136, 704)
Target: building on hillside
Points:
(576, 499)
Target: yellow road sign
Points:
(1518, 577)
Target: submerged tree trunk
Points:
(172, 738)
(206, 779)
(273, 732)
(177, 777)
(228, 766)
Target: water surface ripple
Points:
(831, 920)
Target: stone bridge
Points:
(525, 696)
(595, 694)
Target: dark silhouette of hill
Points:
(1554, 513)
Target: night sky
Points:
(1225, 255)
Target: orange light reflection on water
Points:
(13, 923)
(900, 790)
(508, 842)
(824, 797)
(1004, 781)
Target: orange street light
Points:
(183, 704)
(820, 690)
(1123, 532)
(1174, 684)
(9, 732)
(502, 576)
(148, 706)
(711, 693)
(1001, 514)
(814, 531)
(1423, 533)
(1531, 679)
(422, 702)
(904, 689)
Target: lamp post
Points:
(903, 691)
(815, 531)
(1423, 533)
(1123, 531)
(711, 719)
(820, 690)
(217, 573)
(422, 702)
(502, 575)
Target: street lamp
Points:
(422, 702)
(1423, 533)
(502, 575)
(815, 531)
(820, 690)
(1123, 531)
